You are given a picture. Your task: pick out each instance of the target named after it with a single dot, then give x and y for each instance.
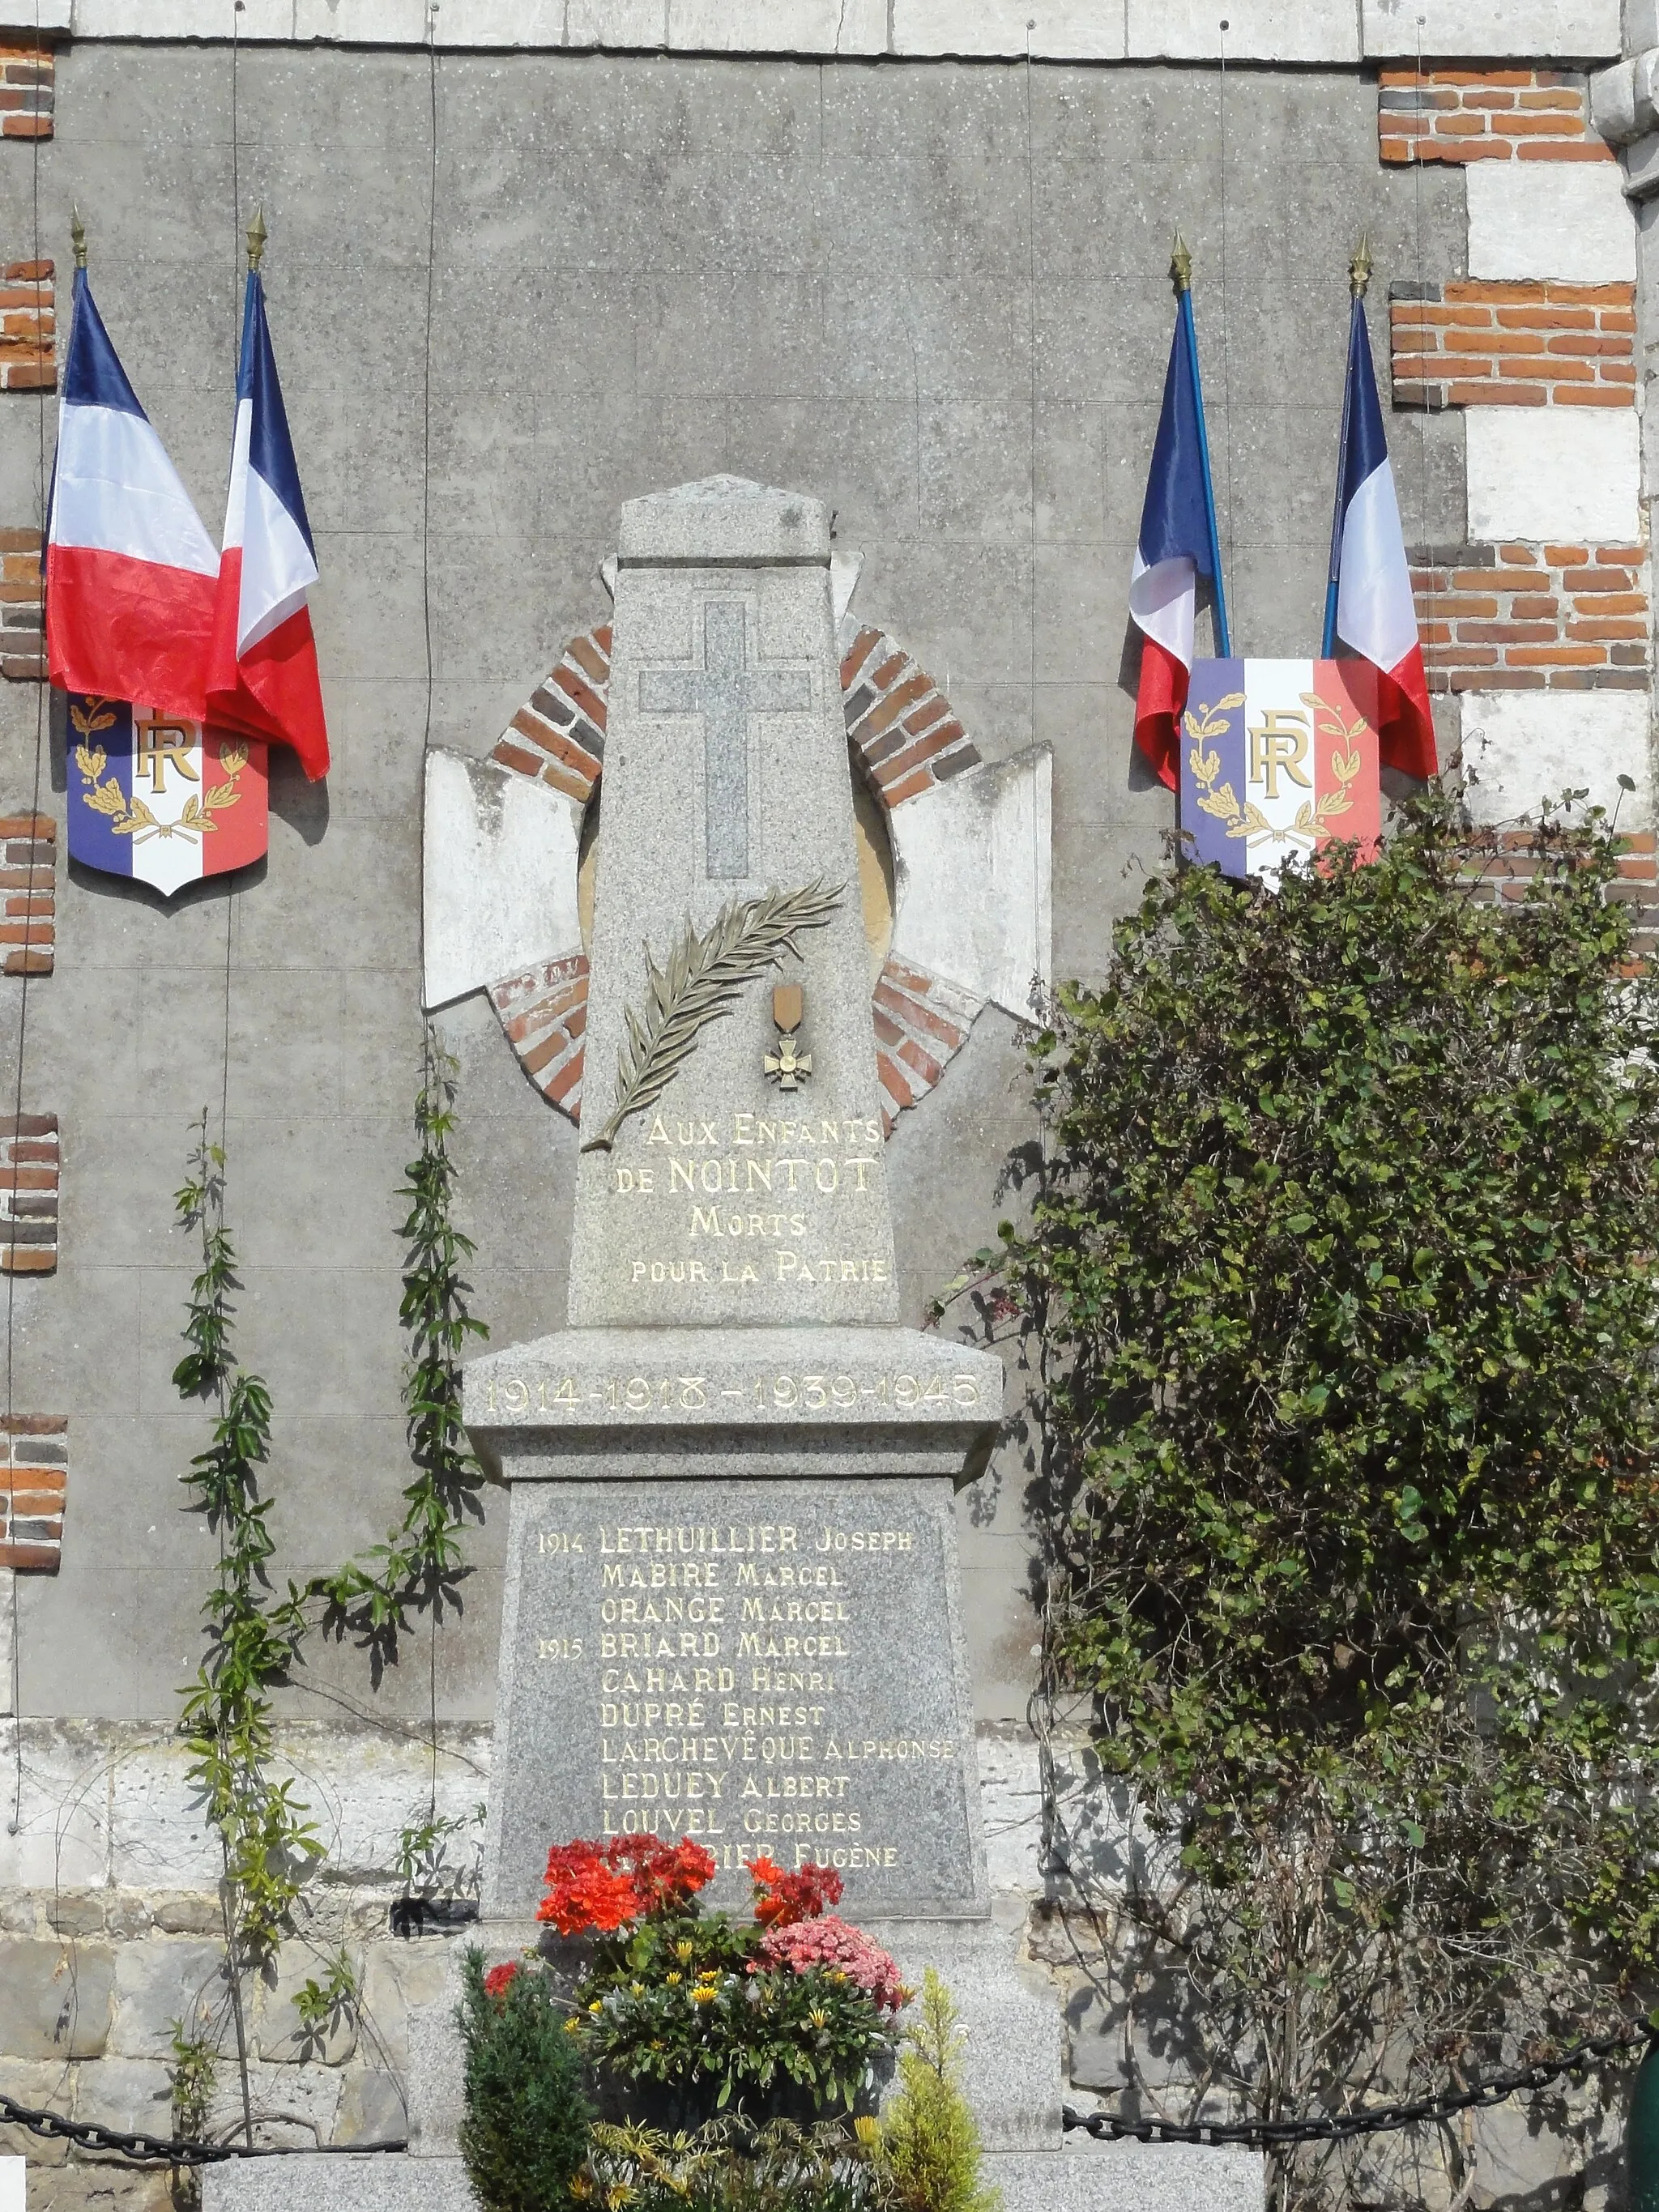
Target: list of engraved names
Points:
(754, 1681)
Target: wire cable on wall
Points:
(429, 1068)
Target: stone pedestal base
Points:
(1102, 2177)
(1013, 2079)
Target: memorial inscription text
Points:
(738, 1678)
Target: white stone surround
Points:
(1329, 31)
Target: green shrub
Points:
(1340, 1273)
(526, 2131)
(929, 2152)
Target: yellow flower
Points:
(673, 1980)
(595, 2006)
(703, 1995)
(682, 1949)
(818, 2019)
(636, 1989)
(864, 2128)
(573, 2026)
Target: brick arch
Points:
(906, 739)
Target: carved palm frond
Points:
(700, 983)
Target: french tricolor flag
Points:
(262, 665)
(1177, 545)
(1369, 602)
(130, 571)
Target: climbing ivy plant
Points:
(420, 1564)
(255, 1638)
(268, 1845)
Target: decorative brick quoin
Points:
(29, 1167)
(1528, 617)
(28, 328)
(28, 883)
(1462, 115)
(27, 71)
(34, 1477)
(1474, 342)
(22, 607)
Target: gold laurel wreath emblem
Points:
(1312, 820)
(133, 818)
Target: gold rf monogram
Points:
(156, 742)
(1278, 741)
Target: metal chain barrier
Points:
(140, 2149)
(1380, 2119)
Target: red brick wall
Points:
(34, 1476)
(1486, 115)
(22, 607)
(1528, 617)
(28, 927)
(1470, 343)
(26, 89)
(28, 328)
(28, 1194)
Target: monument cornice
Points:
(586, 1404)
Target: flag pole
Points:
(1181, 272)
(1359, 275)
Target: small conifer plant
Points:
(929, 2150)
(526, 2131)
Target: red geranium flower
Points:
(607, 1886)
(781, 1899)
(500, 1979)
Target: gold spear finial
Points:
(257, 235)
(1181, 264)
(1359, 269)
(78, 236)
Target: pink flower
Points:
(831, 1943)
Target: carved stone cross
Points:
(725, 692)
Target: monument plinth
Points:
(733, 1608)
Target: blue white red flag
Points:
(262, 666)
(130, 571)
(1370, 606)
(1278, 757)
(158, 798)
(1177, 545)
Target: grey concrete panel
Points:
(646, 271)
